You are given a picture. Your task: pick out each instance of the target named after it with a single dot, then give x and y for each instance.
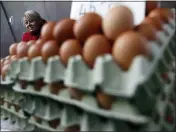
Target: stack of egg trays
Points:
(8, 111)
(69, 116)
(142, 82)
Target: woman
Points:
(33, 22)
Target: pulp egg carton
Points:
(42, 107)
(109, 76)
(24, 69)
(70, 116)
(7, 81)
(163, 117)
(121, 109)
(10, 96)
(14, 70)
(85, 79)
(12, 110)
(87, 122)
(16, 122)
(43, 125)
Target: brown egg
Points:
(34, 51)
(69, 48)
(31, 42)
(156, 22)
(7, 57)
(2, 63)
(162, 13)
(54, 123)
(7, 61)
(147, 30)
(40, 42)
(87, 25)
(47, 31)
(151, 5)
(22, 50)
(17, 107)
(104, 100)
(96, 45)
(116, 21)
(76, 93)
(13, 57)
(49, 49)
(13, 49)
(38, 119)
(63, 30)
(73, 128)
(128, 46)
(2, 60)
(167, 12)
(4, 70)
(56, 87)
(38, 84)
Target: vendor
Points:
(33, 22)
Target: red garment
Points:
(28, 36)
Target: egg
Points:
(13, 57)
(31, 42)
(87, 25)
(34, 51)
(56, 87)
(4, 70)
(40, 42)
(104, 100)
(69, 48)
(116, 21)
(128, 46)
(76, 93)
(73, 128)
(63, 30)
(13, 49)
(54, 123)
(38, 84)
(147, 30)
(162, 13)
(7, 57)
(156, 22)
(151, 5)
(22, 50)
(47, 30)
(2, 62)
(49, 49)
(7, 61)
(96, 45)
(37, 119)
(17, 107)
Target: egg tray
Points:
(8, 80)
(12, 110)
(106, 73)
(89, 123)
(143, 98)
(70, 116)
(16, 121)
(120, 110)
(164, 115)
(9, 95)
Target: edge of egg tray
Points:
(44, 125)
(88, 104)
(12, 110)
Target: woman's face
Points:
(32, 25)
